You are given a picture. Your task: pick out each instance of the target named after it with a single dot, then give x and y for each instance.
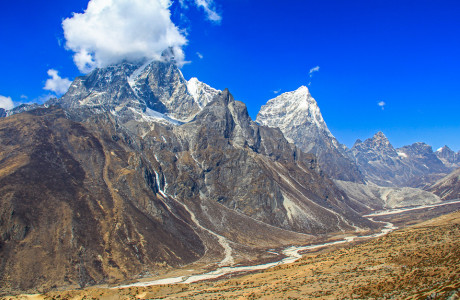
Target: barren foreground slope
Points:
(418, 262)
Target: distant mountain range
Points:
(375, 160)
(136, 171)
(413, 165)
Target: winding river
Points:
(291, 253)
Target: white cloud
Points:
(56, 83)
(199, 55)
(210, 10)
(24, 97)
(110, 31)
(313, 70)
(6, 102)
(277, 92)
(382, 104)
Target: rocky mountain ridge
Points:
(448, 157)
(413, 165)
(375, 160)
(134, 192)
(139, 89)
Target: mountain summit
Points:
(157, 86)
(448, 157)
(382, 164)
(298, 116)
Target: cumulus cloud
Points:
(209, 8)
(382, 104)
(56, 83)
(110, 31)
(6, 102)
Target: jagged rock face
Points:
(448, 188)
(378, 160)
(2, 112)
(448, 157)
(106, 88)
(299, 118)
(382, 164)
(134, 88)
(164, 89)
(253, 169)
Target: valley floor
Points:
(417, 262)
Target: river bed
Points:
(291, 253)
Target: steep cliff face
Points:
(254, 170)
(298, 116)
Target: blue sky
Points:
(402, 53)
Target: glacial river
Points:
(292, 253)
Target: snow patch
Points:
(201, 92)
(159, 116)
(135, 75)
(402, 154)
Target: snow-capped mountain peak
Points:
(445, 149)
(298, 116)
(201, 92)
(292, 109)
(156, 85)
(448, 157)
